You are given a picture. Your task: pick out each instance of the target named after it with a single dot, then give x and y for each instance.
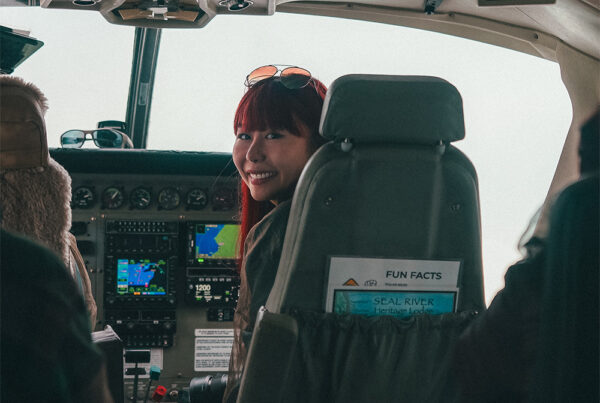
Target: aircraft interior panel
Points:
(158, 230)
(158, 234)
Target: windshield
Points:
(83, 67)
(517, 111)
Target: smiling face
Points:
(270, 161)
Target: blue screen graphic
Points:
(141, 277)
(215, 241)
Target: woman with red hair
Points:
(277, 130)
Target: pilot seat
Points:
(387, 194)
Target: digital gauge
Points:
(223, 199)
(140, 198)
(221, 290)
(83, 197)
(168, 199)
(112, 198)
(196, 199)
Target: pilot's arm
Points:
(496, 353)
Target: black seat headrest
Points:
(400, 109)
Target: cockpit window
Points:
(517, 111)
(83, 67)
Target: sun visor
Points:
(23, 141)
(397, 109)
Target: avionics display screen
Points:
(141, 277)
(213, 241)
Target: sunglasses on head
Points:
(292, 77)
(103, 138)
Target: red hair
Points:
(270, 105)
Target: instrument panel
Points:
(158, 233)
(142, 197)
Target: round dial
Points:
(140, 198)
(168, 198)
(83, 197)
(112, 198)
(223, 199)
(196, 199)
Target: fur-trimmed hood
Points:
(36, 202)
(35, 191)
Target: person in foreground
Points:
(277, 130)
(500, 355)
(46, 354)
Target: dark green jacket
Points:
(46, 350)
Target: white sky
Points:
(517, 111)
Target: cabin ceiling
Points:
(574, 22)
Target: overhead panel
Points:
(160, 11)
(485, 3)
(165, 13)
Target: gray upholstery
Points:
(381, 199)
(398, 109)
(399, 191)
(323, 358)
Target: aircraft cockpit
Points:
(141, 98)
(159, 236)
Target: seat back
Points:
(35, 194)
(390, 188)
(388, 185)
(324, 357)
(36, 190)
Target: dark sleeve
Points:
(262, 255)
(568, 369)
(45, 329)
(496, 353)
(262, 251)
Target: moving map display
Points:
(141, 277)
(214, 241)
